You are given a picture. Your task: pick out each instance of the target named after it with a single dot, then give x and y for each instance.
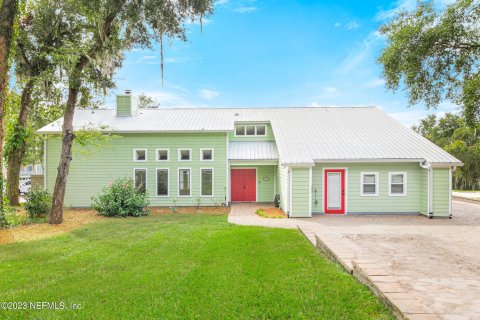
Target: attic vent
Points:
(236, 114)
(128, 92)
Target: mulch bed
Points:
(190, 210)
(275, 213)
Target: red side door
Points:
(243, 185)
(334, 191)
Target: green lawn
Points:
(180, 266)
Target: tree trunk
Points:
(16, 156)
(56, 215)
(8, 11)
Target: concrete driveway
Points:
(422, 268)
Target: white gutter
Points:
(427, 166)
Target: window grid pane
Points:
(207, 154)
(369, 188)
(184, 154)
(250, 130)
(240, 130)
(397, 178)
(140, 155)
(162, 154)
(397, 188)
(261, 130)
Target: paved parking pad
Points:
(422, 268)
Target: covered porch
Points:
(252, 168)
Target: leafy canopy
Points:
(434, 55)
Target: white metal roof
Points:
(252, 150)
(302, 135)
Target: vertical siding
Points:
(89, 174)
(282, 189)
(123, 105)
(268, 137)
(265, 181)
(383, 203)
(441, 192)
(424, 192)
(300, 192)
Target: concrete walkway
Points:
(422, 268)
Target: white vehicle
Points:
(25, 187)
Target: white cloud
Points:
(245, 9)
(400, 5)
(375, 83)
(352, 25)
(412, 116)
(148, 57)
(221, 2)
(360, 52)
(329, 92)
(208, 94)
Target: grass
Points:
(180, 266)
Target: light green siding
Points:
(265, 181)
(441, 192)
(383, 203)
(282, 188)
(300, 192)
(89, 174)
(268, 137)
(124, 105)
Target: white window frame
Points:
(201, 154)
(260, 125)
(156, 183)
(180, 154)
(146, 178)
(404, 194)
(213, 183)
(135, 154)
(178, 183)
(157, 158)
(255, 130)
(377, 184)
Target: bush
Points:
(121, 199)
(38, 202)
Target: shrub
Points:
(38, 202)
(121, 199)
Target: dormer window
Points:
(250, 130)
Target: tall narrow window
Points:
(140, 155)
(206, 182)
(162, 182)
(184, 182)
(398, 184)
(206, 154)
(140, 179)
(369, 184)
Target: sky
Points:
(275, 54)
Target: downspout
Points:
(427, 166)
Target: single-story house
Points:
(318, 160)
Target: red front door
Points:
(244, 185)
(334, 191)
